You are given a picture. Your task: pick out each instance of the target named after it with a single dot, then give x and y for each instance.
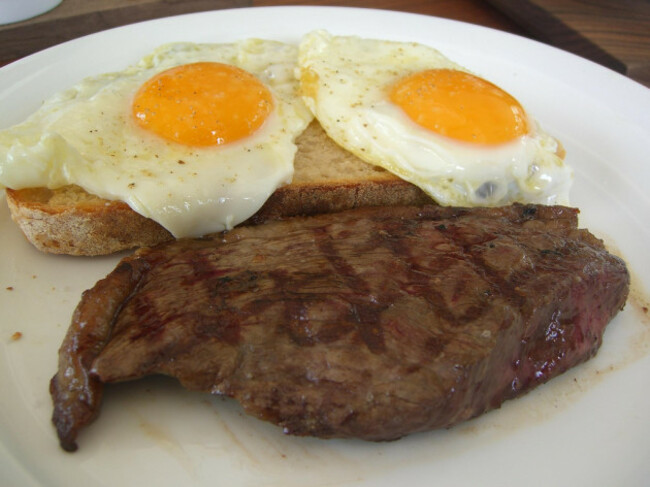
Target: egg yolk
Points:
(461, 106)
(202, 104)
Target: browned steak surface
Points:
(372, 323)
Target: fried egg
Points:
(194, 136)
(409, 109)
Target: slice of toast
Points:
(326, 179)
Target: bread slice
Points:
(326, 179)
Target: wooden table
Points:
(613, 33)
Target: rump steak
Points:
(372, 323)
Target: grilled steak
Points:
(371, 323)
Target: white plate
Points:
(588, 427)
(17, 10)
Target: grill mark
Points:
(295, 311)
(369, 326)
(365, 314)
(203, 269)
(227, 329)
(151, 323)
(423, 289)
(498, 285)
(325, 244)
(420, 279)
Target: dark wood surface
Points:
(615, 33)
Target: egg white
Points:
(345, 82)
(87, 136)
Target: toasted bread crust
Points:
(327, 178)
(330, 198)
(91, 227)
